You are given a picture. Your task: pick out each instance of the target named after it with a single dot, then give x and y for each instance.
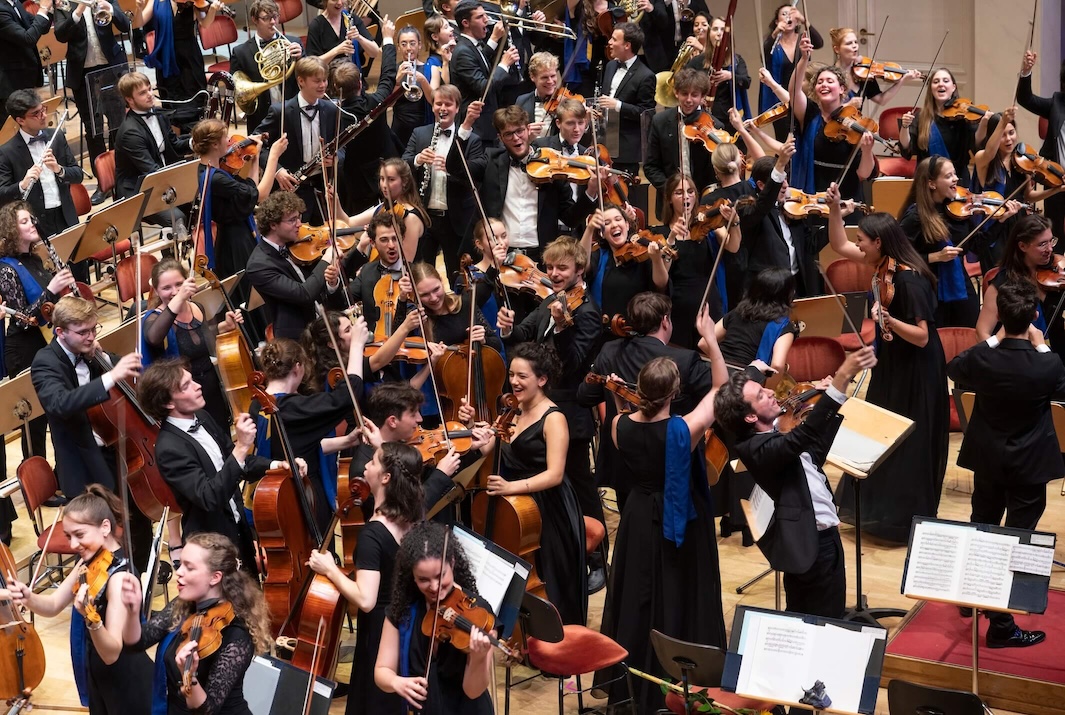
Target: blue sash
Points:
(740, 95)
(163, 57)
(329, 467)
(79, 655)
(802, 177)
(1040, 321)
(596, 284)
(766, 98)
(30, 286)
(206, 215)
(580, 46)
(170, 348)
(677, 506)
(951, 279)
(406, 630)
(770, 333)
(936, 145)
(159, 682)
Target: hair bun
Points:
(732, 167)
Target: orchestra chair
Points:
(223, 31)
(104, 167)
(564, 651)
(126, 277)
(889, 122)
(80, 195)
(847, 276)
(39, 484)
(814, 358)
(889, 193)
(697, 663)
(956, 341)
(290, 10)
(905, 698)
(896, 166)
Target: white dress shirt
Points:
(48, 179)
(214, 452)
(520, 209)
(311, 128)
(619, 76)
(152, 120)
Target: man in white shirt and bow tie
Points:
(629, 91)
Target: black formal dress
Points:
(782, 68)
(688, 275)
(19, 33)
(959, 138)
(193, 344)
(912, 382)
(560, 558)
(233, 200)
(735, 263)
(321, 37)
(654, 583)
(613, 285)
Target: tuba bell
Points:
(272, 61)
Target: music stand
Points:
(104, 100)
(122, 340)
(10, 127)
(254, 301)
(211, 299)
(688, 663)
(172, 186)
(107, 226)
(21, 405)
(64, 243)
(817, 317)
(460, 483)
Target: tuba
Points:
(664, 80)
(272, 60)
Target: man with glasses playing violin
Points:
(27, 162)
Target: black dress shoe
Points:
(965, 611)
(98, 197)
(596, 581)
(1017, 639)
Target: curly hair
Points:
(237, 587)
(657, 383)
(840, 77)
(425, 541)
(158, 384)
(321, 357)
(273, 209)
(731, 407)
(404, 500)
(279, 358)
(9, 233)
(542, 358)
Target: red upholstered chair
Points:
(577, 650)
(594, 533)
(149, 41)
(1043, 124)
(80, 194)
(105, 171)
(290, 9)
(897, 166)
(847, 276)
(812, 359)
(38, 484)
(955, 341)
(126, 277)
(889, 122)
(223, 31)
(988, 277)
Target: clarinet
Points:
(428, 177)
(57, 263)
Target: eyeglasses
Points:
(292, 219)
(40, 113)
(514, 132)
(87, 332)
(270, 17)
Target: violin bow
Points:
(473, 320)
(137, 297)
(839, 302)
(1031, 40)
(872, 61)
(324, 209)
(436, 608)
(928, 75)
(343, 364)
(991, 215)
(308, 699)
(717, 259)
(503, 42)
(489, 231)
(123, 483)
(761, 43)
(200, 200)
(682, 142)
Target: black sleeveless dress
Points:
(560, 559)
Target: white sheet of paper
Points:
(1032, 559)
(491, 573)
(777, 661)
(840, 663)
(986, 576)
(934, 570)
(856, 448)
(762, 510)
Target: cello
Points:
(21, 653)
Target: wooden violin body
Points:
(519, 272)
(313, 240)
(847, 124)
(240, 152)
(799, 205)
(967, 203)
(22, 663)
(962, 109)
(453, 618)
(1046, 172)
(866, 68)
(702, 130)
(206, 629)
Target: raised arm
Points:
(837, 234)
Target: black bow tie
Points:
(445, 132)
(311, 110)
(566, 146)
(540, 100)
(519, 162)
(689, 118)
(78, 359)
(283, 251)
(39, 138)
(195, 425)
(149, 113)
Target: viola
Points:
(22, 663)
(847, 124)
(1046, 172)
(454, 618)
(702, 130)
(1052, 275)
(636, 248)
(545, 165)
(236, 361)
(961, 109)
(884, 290)
(520, 273)
(20, 316)
(618, 326)
(624, 390)
(796, 405)
(240, 152)
(206, 629)
(570, 299)
(799, 205)
(706, 220)
(313, 240)
(771, 115)
(434, 444)
(551, 105)
(865, 68)
(386, 297)
(967, 203)
(94, 574)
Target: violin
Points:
(884, 291)
(236, 361)
(615, 189)
(546, 165)
(206, 629)
(796, 405)
(771, 115)
(433, 444)
(624, 390)
(702, 130)
(570, 299)
(847, 124)
(618, 326)
(865, 68)
(19, 316)
(1046, 172)
(455, 616)
(799, 205)
(386, 298)
(94, 574)
(961, 109)
(313, 240)
(240, 152)
(22, 663)
(636, 248)
(1052, 275)
(967, 203)
(520, 273)
(551, 105)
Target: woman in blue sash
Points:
(780, 50)
(935, 234)
(954, 139)
(109, 680)
(429, 565)
(175, 54)
(729, 76)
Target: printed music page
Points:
(987, 579)
(960, 564)
(934, 570)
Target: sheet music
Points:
(934, 568)
(1032, 559)
(986, 577)
(856, 448)
(957, 563)
(492, 573)
(760, 515)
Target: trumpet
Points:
(411, 91)
(102, 13)
(529, 25)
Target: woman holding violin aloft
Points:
(725, 78)
(394, 476)
(781, 50)
(936, 130)
(110, 681)
(860, 81)
(208, 635)
(909, 379)
(436, 678)
(935, 232)
(176, 56)
(818, 158)
(229, 200)
(994, 167)
(665, 573)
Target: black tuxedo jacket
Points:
(1052, 108)
(1010, 438)
(72, 32)
(637, 95)
(663, 154)
(203, 493)
(292, 158)
(527, 102)
(15, 161)
(772, 459)
(469, 72)
(288, 301)
(359, 187)
(243, 60)
(764, 240)
(361, 290)
(137, 154)
(554, 200)
(659, 27)
(460, 203)
(78, 460)
(19, 32)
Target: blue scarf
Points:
(170, 347)
(329, 467)
(766, 98)
(951, 278)
(936, 145)
(159, 681)
(739, 95)
(1040, 321)
(579, 47)
(30, 286)
(79, 655)
(770, 333)
(802, 177)
(406, 630)
(163, 57)
(677, 506)
(596, 284)
(207, 217)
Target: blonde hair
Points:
(726, 160)
(420, 271)
(206, 134)
(836, 35)
(71, 310)
(542, 61)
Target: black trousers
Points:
(822, 590)
(1023, 505)
(440, 236)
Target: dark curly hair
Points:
(279, 358)
(542, 358)
(319, 349)
(658, 382)
(404, 499)
(425, 541)
(9, 233)
(274, 208)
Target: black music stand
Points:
(689, 662)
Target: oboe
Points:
(40, 163)
(428, 177)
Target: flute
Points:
(40, 162)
